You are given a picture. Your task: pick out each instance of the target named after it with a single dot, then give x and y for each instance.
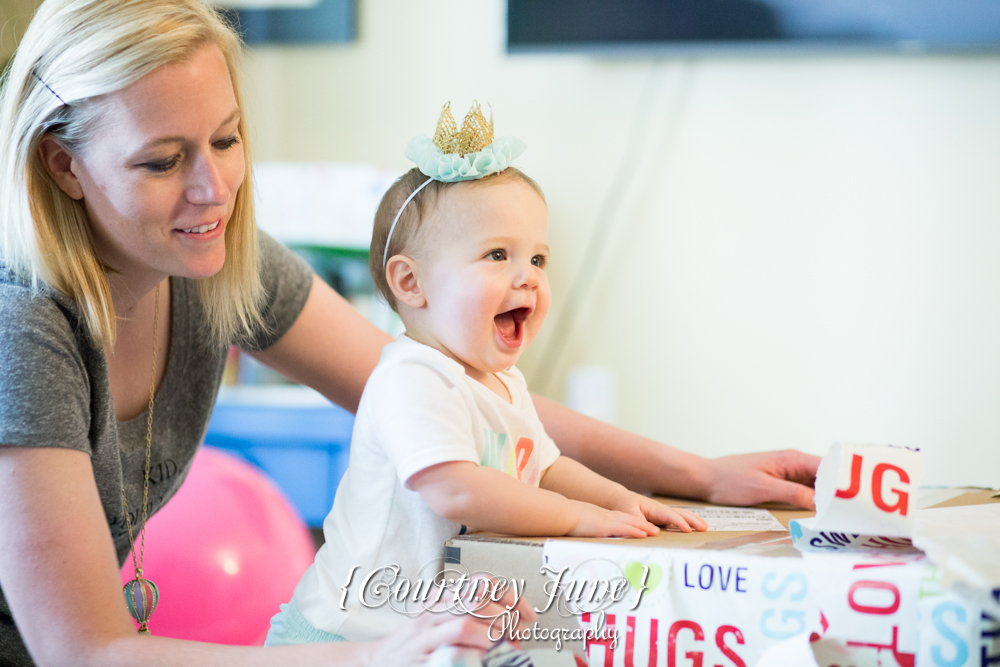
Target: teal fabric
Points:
(450, 167)
(289, 626)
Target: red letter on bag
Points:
(855, 479)
(654, 646)
(901, 496)
(606, 642)
(695, 656)
(720, 641)
(879, 585)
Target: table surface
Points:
(674, 539)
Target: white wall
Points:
(809, 250)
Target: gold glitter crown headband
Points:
(475, 135)
(456, 154)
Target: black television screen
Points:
(763, 25)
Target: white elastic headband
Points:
(385, 253)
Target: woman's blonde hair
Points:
(73, 53)
(411, 219)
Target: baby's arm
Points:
(576, 481)
(487, 499)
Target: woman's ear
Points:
(59, 163)
(402, 274)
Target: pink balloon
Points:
(224, 552)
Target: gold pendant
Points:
(141, 596)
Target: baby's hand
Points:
(658, 513)
(598, 522)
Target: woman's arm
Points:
(648, 466)
(61, 580)
(330, 347)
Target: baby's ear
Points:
(401, 272)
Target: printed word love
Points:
(729, 578)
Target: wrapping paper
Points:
(964, 542)
(725, 608)
(862, 593)
(697, 606)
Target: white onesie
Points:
(418, 409)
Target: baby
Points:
(447, 438)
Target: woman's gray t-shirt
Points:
(54, 392)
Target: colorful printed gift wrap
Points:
(691, 608)
(875, 578)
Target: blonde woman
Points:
(130, 261)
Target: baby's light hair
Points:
(411, 220)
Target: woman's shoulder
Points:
(39, 308)
(287, 280)
(41, 334)
(45, 364)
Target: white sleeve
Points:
(421, 418)
(548, 451)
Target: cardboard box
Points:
(522, 557)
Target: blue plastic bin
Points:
(304, 448)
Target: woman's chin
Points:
(205, 268)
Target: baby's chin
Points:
(484, 356)
(490, 361)
(503, 362)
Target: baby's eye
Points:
(498, 255)
(539, 261)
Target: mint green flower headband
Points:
(453, 155)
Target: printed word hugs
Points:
(651, 641)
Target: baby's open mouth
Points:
(510, 325)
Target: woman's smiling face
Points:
(159, 177)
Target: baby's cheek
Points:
(475, 314)
(481, 308)
(541, 307)
(531, 328)
(544, 294)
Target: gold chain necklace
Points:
(141, 594)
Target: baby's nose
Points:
(526, 277)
